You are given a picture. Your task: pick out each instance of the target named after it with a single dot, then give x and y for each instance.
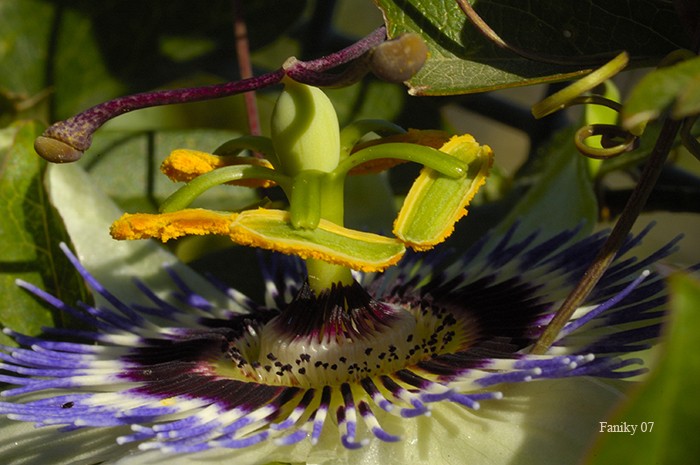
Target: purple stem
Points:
(66, 140)
(352, 52)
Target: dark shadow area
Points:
(139, 40)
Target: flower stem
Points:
(607, 253)
(323, 275)
(76, 132)
(245, 67)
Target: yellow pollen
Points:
(272, 230)
(166, 226)
(184, 165)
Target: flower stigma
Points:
(309, 157)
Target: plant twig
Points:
(490, 34)
(605, 256)
(245, 66)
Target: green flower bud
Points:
(305, 132)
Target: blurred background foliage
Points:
(60, 57)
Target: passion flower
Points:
(315, 374)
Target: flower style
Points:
(339, 367)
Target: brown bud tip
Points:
(397, 60)
(56, 151)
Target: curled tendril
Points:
(559, 100)
(615, 140)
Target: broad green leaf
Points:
(88, 52)
(561, 195)
(688, 103)
(664, 410)
(29, 235)
(38, 51)
(462, 61)
(24, 43)
(657, 90)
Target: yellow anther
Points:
(272, 230)
(166, 226)
(435, 202)
(183, 165)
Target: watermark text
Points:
(627, 428)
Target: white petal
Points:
(549, 421)
(21, 443)
(88, 213)
(539, 422)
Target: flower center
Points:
(342, 336)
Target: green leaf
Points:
(462, 61)
(39, 44)
(688, 102)
(665, 405)
(657, 90)
(561, 195)
(29, 235)
(87, 52)
(25, 27)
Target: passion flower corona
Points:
(337, 367)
